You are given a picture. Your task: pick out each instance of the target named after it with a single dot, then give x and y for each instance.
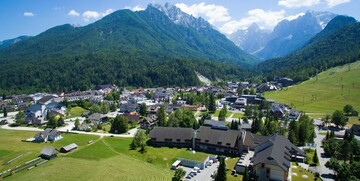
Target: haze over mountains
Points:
(286, 37)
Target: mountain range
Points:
(6, 43)
(163, 46)
(337, 44)
(287, 36)
(141, 48)
(252, 39)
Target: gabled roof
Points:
(45, 99)
(176, 134)
(276, 151)
(252, 140)
(48, 151)
(227, 138)
(70, 147)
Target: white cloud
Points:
(107, 12)
(136, 8)
(213, 13)
(89, 15)
(73, 13)
(298, 3)
(265, 19)
(28, 14)
(332, 3)
(94, 15)
(292, 17)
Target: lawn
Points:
(76, 112)
(330, 91)
(310, 154)
(96, 161)
(238, 115)
(230, 164)
(216, 113)
(162, 157)
(300, 172)
(11, 146)
(353, 120)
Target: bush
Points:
(13, 125)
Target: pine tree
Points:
(221, 173)
(315, 158)
(246, 175)
(212, 105)
(162, 118)
(5, 113)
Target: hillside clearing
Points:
(329, 91)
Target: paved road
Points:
(69, 125)
(325, 173)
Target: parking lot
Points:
(204, 175)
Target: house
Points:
(272, 159)
(45, 100)
(48, 152)
(47, 135)
(68, 148)
(240, 103)
(356, 129)
(152, 109)
(85, 126)
(148, 122)
(277, 110)
(249, 140)
(171, 137)
(128, 108)
(217, 140)
(34, 121)
(96, 117)
(133, 118)
(104, 89)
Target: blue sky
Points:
(31, 17)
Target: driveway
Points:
(205, 174)
(325, 173)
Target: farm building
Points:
(48, 152)
(68, 148)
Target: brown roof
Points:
(219, 137)
(175, 134)
(252, 140)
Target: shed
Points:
(68, 148)
(48, 152)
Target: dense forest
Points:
(141, 49)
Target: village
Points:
(218, 120)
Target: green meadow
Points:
(108, 158)
(323, 94)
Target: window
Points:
(206, 141)
(178, 140)
(219, 143)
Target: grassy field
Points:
(230, 164)
(238, 115)
(329, 91)
(353, 120)
(108, 158)
(216, 113)
(300, 172)
(162, 157)
(76, 112)
(97, 161)
(310, 154)
(12, 146)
